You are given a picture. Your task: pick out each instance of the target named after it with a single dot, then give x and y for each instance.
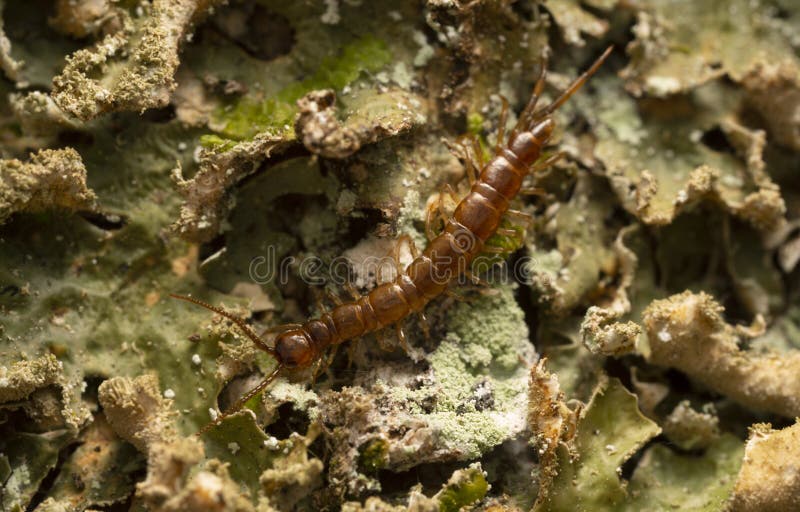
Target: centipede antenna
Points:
(235, 319)
(243, 400)
(574, 86)
(538, 87)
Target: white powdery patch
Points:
(331, 15)
(664, 336)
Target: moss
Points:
(464, 488)
(249, 116)
(475, 123)
(372, 456)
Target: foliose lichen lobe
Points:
(50, 179)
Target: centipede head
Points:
(294, 349)
(258, 341)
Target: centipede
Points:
(448, 254)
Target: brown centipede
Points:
(448, 254)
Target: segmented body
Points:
(476, 218)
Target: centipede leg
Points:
(280, 328)
(526, 218)
(406, 239)
(533, 191)
(318, 302)
(475, 279)
(456, 296)
(509, 232)
(423, 322)
(501, 126)
(351, 289)
(547, 162)
(323, 363)
(478, 151)
(351, 351)
(448, 191)
(401, 336)
(242, 401)
(430, 219)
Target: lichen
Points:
(687, 332)
(137, 411)
(52, 179)
(136, 65)
(769, 478)
(251, 154)
(609, 431)
(464, 488)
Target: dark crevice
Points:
(159, 115)
(104, 221)
(629, 466)
(49, 481)
(257, 30)
(716, 140)
(289, 420)
(432, 476)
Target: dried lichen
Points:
(609, 431)
(687, 332)
(136, 64)
(658, 166)
(690, 429)
(770, 478)
(136, 410)
(98, 473)
(51, 179)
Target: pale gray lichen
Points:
(470, 400)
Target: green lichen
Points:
(464, 488)
(249, 116)
(373, 456)
(609, 432)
